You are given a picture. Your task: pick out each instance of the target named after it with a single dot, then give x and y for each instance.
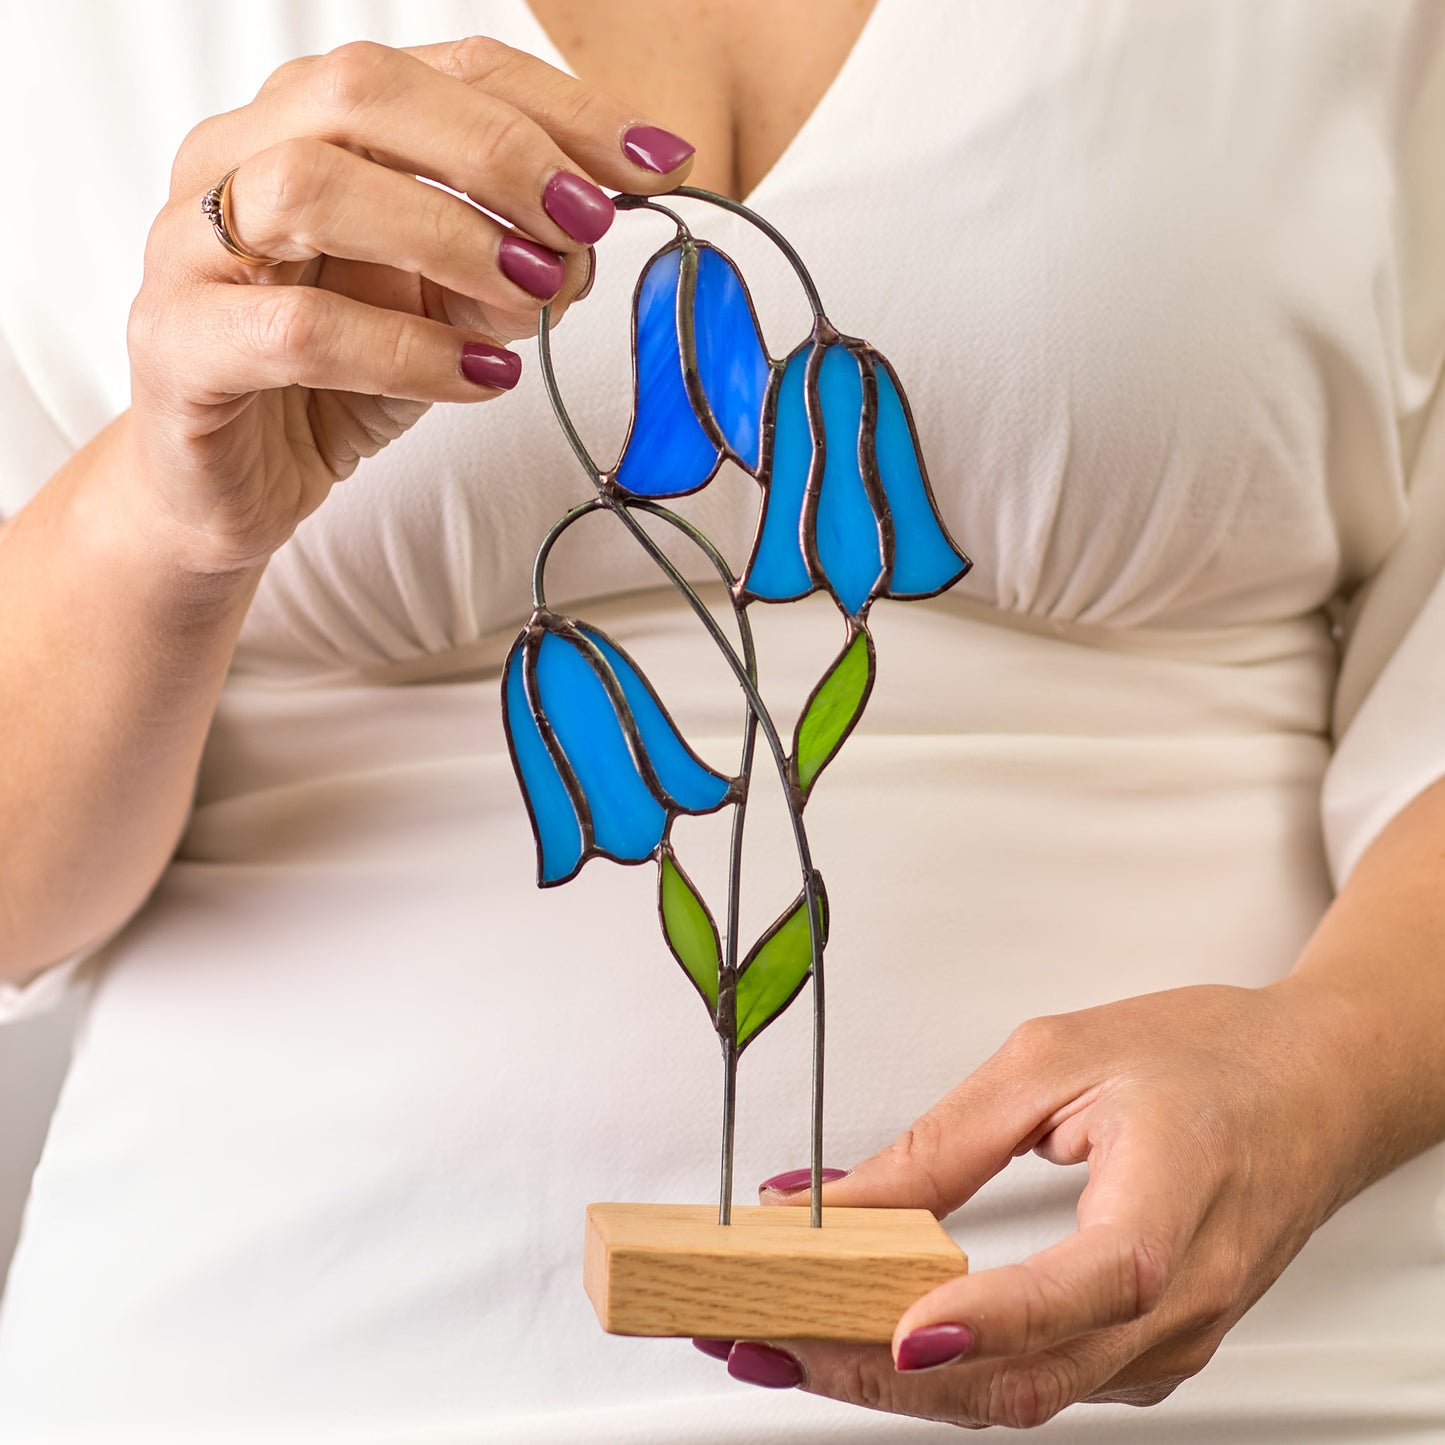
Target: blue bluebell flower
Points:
(603, 768)
(701, 373)
(847, 505)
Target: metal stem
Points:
(728, 979)
(554, 395)
(729, 1128)
(728, 983)
(539, 596)
(726, 203)
(745, 673)
(780, 759)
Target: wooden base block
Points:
(672, 1269)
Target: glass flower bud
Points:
(602, 766)
(700, 371)
(847, 506)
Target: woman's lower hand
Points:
(255, 389)
(1219, 1133)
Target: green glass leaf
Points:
(833, 709)
(772, 975)
(688, 927)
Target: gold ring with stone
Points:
(216, 206)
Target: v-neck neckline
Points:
(549, 51)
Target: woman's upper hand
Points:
(255, 389)
(1219, 1133)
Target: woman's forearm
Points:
(1377, 965)
(112, 658)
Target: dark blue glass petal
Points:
(554, 819)
(667, 452)
(627, 821)
(924, 560)
(731, 363)
(848, 544)
(778, 571)
(689, 783)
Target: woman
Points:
(1165, 286)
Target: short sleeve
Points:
(1389, 717)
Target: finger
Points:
(1015, 1394)
(1151, 1372)
(502, 325)
(968, 1136)
(245, 339)
(1104, 1275)
(615, 143)
(405, 114)
(305, 198)
(937, 1163)
(1136, 1220)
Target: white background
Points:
(33, 1056)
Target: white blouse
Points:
(1121, 209)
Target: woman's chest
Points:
(1137, 275)
(1151, 277)
(738, 78)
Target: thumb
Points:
(943, 1157)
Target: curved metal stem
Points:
(554, 395)
(728, 1017)
(726, 203)
(650, 203)
(728, 1025)
(744, 671)
(539, 566)
(623, 510)
(727, 981)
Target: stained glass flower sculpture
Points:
(845, 507)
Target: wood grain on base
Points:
(672, 1269)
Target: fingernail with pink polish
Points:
(763, 1365)
(792, 1180)
(490, 365)
(655, 149)
(933, 1345)
(718, 1349)
(578, 207)
(534, 268)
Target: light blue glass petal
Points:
(554, 819)
(924, 560)
(779, 571)
(627, 821)
(731, 363)
(667, 451)
(690, 784)
(847, 529)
